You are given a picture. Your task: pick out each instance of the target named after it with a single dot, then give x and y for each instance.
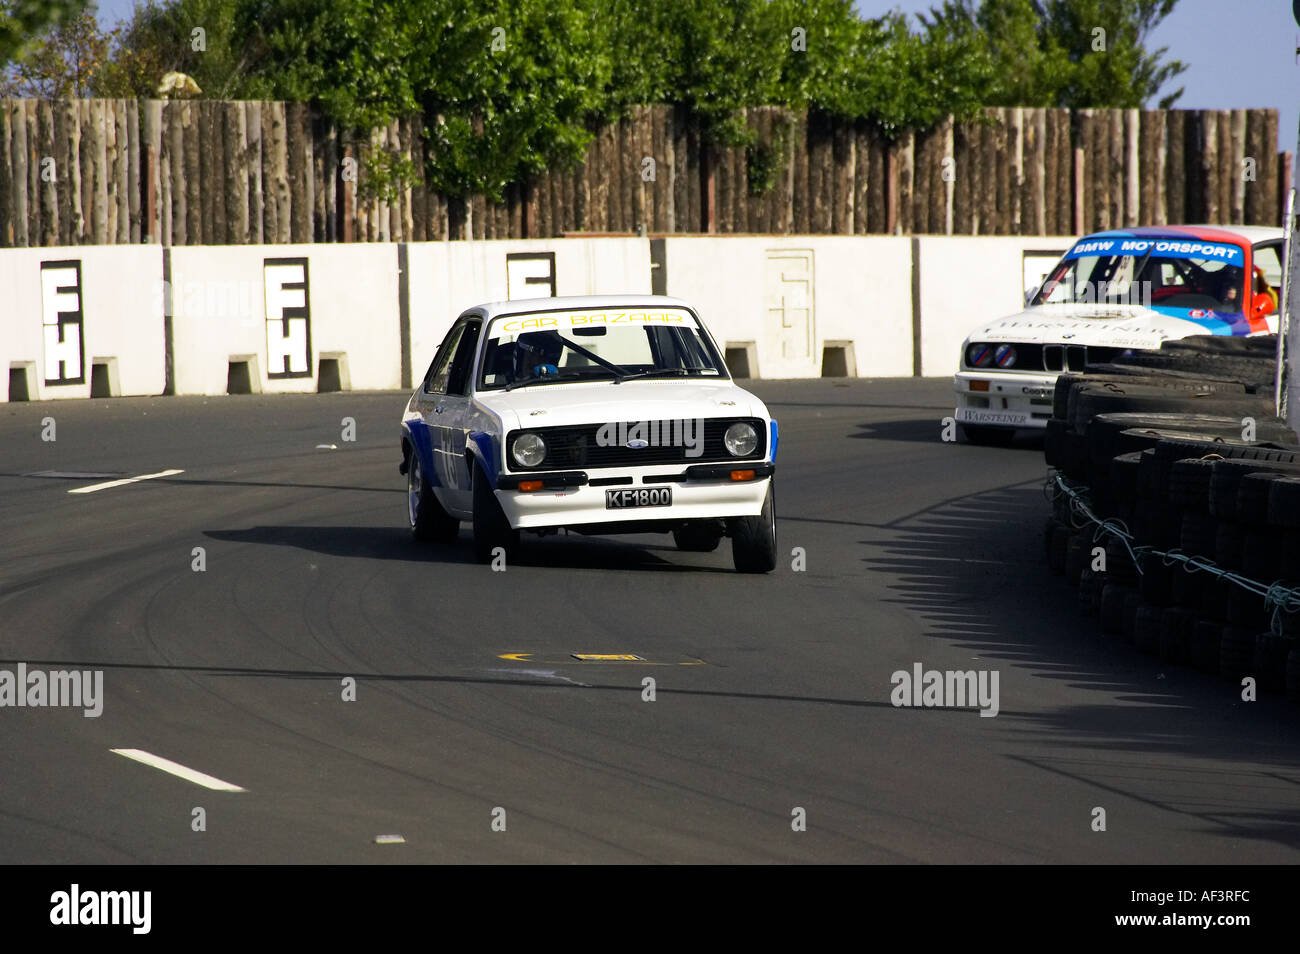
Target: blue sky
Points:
(1239, 53)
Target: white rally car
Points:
(1115, 292)
(609, 414)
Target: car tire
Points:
(1236, 652)
(988, 436)
(1293, 675)
(429, 522)
(694, 538)
(491, 528)
(753, 539)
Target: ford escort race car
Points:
(610, 414)
(1112, 293)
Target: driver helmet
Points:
(535, 349)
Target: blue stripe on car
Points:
(775, 440)
(423, 442)
(1213, 322)
(486, 454)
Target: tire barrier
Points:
(1176, 507)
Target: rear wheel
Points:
(753, 539)
(491, 528)
(428, 521)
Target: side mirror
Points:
(1261, 305)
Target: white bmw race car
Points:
(1114, 292)
(608, 414)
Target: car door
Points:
(453, 420)
(1269, 257)
(432, 408)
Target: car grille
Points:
(577, 446)
(1052, 357)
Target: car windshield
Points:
(1175, 273)
(605, 344)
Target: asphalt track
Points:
(772, 692)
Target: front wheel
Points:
(753, 539)
(491, 528)
(429, 522)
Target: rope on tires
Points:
(1277, 597)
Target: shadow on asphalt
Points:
(928, 430)
(563, 551)
(974, 568)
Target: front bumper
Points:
(700, 492)
(1011, 398)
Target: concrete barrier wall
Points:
(283, 309)
(67, 310)
(295, 318)
(784, 300)
(445, 278)
(966, 281)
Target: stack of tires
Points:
(1181, 448)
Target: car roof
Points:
(576, 302)
(1249, 234)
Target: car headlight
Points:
(740, 439)
(979, 356)
(529, 450)
(1005, 356)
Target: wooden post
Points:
(122, 172)
(112, 155)
(150, 179)
(1115, 185)
(708, 189)
(1080, 176)
(70, 173)
(63, 198)
(136, 174)
(1237, 136)
(1132, 167)
(1210, 157)
(6, 179)
(99, 123)
(256, 198)
(18, 125)
(279, 171)
(176, 230)
(1174, 176)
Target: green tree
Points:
(22, 22)
(1114, 68)
(1067, 53)
(65, 61)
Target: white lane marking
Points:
(327, 447)
(180, 771)
(126, 480)
(389, 840)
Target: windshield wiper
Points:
(610, 366)
(676, 372)
(547, 378)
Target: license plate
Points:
(644, 497)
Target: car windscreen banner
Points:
(604, 318)
(1224, 252)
